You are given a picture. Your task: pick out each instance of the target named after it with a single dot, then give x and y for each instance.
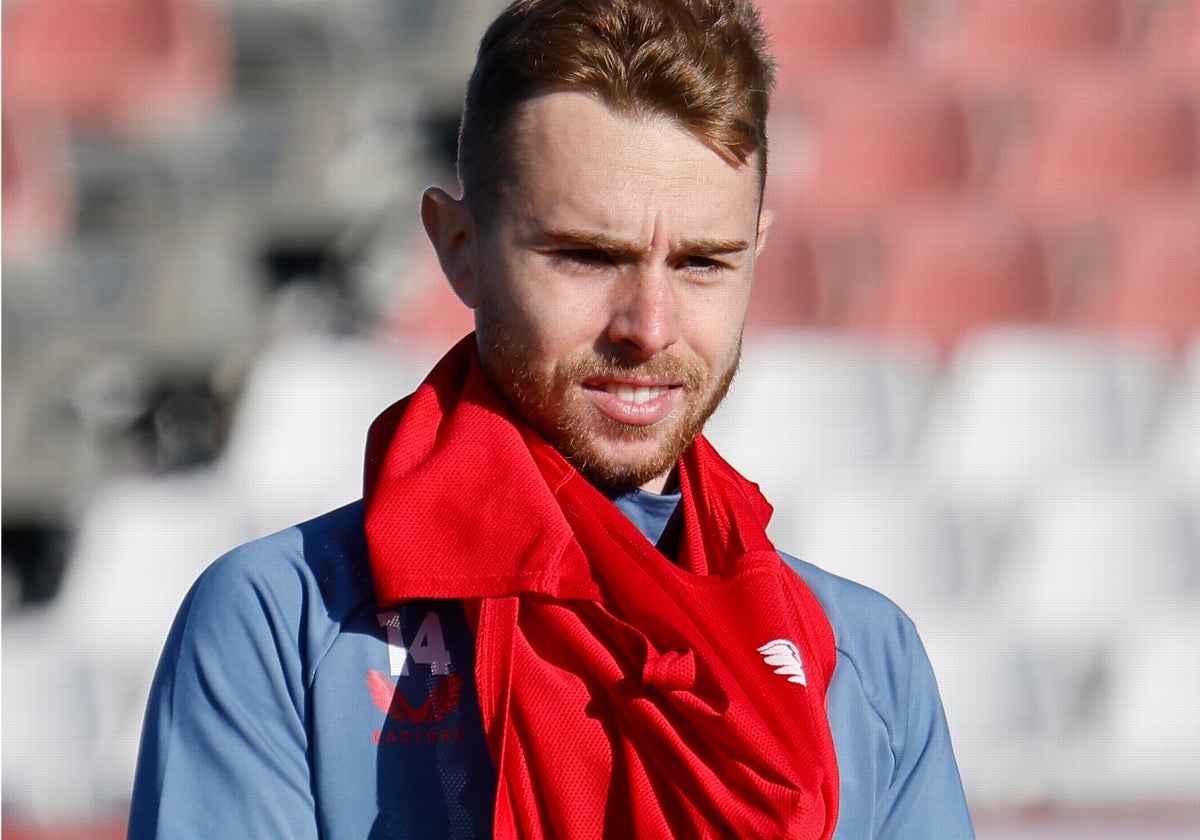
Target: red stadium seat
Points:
(1172, 39)
(788, 292)
(115, 63)
(39, 197)
(1154, 287)
(998, 39)
(1102, 143)
(821, 34)
(871, 147)
(946, 276)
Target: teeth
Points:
(635, 395)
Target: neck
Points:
(666, 483)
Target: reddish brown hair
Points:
(703, 63)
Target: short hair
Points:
(702, 63)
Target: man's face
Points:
(611, 285)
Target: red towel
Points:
(623, 695)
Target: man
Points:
(556, 612)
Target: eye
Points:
(583, 260)
(585, 256)
(702, 264)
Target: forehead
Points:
(573, 155)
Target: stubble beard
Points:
(552, 405)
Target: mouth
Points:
(635, 394)
(632, 402)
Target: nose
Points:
(644, 319)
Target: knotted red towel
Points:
(623, 695)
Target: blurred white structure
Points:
(1096, 553)
(296, 443)
(1146, 744)
(1177, 448)
(897, 535)
(1001, 722)
(1027, 504)
(807, 406)
(1021, 406)
(76, 675)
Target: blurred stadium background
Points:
(979, 313)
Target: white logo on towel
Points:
(784, 656)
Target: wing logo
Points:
(784, 657)
(441, 701)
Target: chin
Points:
(613, 480)
(611, 472)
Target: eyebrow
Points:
(618, 247)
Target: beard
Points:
(552, 403)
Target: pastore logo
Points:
(442, 700)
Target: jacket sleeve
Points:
(225, 750)
(923, 796)
(898, 777)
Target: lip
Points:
(652, 400)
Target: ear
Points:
(766, 218)
(451, 229)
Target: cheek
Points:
(561, 318)
(531, 338)
(506, 307)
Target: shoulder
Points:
(874, 638)
(899, 778)
(328, 551)
(297, 584)
(861, 617)
(231, 709)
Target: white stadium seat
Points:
(897, 536)
(1176, 449)
(83, 672)
(299, 433)
(1023, 405)
(808, 405)
(1143, 742)
(1094, 554)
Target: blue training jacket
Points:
(289, 705)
